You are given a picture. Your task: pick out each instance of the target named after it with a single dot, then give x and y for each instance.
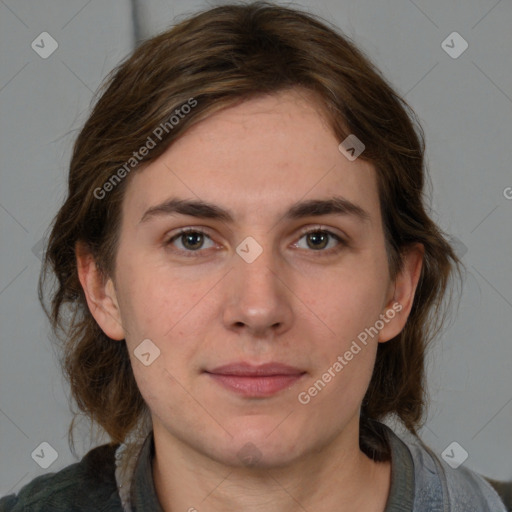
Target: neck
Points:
(335, 477)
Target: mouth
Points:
(256, 381)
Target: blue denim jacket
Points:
(440, 488)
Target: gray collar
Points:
(143, 495)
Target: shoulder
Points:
(439, 486)
(86, 485)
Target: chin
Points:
(253, 457)
(261, 446)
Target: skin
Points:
(296, 304)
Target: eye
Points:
(190, 239)
(319, 239)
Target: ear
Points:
(401, 296)
(100, 293)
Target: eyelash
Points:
(189, 253)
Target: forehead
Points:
(259, 156)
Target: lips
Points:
(248, 370)
(256, 381)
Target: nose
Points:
(258, 299)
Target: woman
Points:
(253, 280)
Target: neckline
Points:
(141, 494)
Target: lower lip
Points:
(257, 386)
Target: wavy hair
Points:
(219, 57)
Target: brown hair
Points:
(220, 57)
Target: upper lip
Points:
(250, 370)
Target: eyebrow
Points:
(336, 205)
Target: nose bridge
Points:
(255, 270)
(258, 274)
(257, 297)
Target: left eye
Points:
(318, 239)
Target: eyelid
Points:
(341, 239)
(168, 241)
(327, 229)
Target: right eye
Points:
(191, 241)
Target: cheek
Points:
(350, 299)
(349, 303)
(341, 375)
(173, 314)
(153, 301)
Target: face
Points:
(260, 278)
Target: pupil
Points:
(190, 238)
(322, 237)
(194, 240)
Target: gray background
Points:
(465, 105)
